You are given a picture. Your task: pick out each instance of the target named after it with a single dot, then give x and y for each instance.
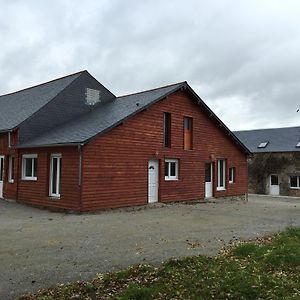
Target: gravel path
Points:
(39, 248)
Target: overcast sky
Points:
(241, 57)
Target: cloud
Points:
(241, 57)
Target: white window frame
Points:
(223, 186)
(169, 177)
(10, 169)
(298, 182)
(24, 157)
(58, 176)
(232, 174)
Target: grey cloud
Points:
(241, 57)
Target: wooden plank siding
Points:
(37, 192)
(115, 165)
(9, 189)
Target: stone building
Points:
(274, 167)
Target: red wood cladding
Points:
(115, 165)
(9, 189)
(37, 192)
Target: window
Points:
(232, 175)
(11, 164)
(263, 144)
(188, 133)
(221, 175)
(29, 167)
(295, 182)
(55, 167)
(167, 130)
(171, 169)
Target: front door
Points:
(1, 175)
(153, 181)
(274, 185)
(208, 180)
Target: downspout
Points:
(80, 175)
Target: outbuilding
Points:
(274, 168)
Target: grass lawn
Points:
(268, 268)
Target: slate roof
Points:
(102, 118)
(18, 106)
(97, 120)
(279, 139)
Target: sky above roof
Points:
(241, 57)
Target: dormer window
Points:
(263, 144)
(298, 145)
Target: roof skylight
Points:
(263, 144)
(298, 145)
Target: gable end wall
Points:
(115, 165)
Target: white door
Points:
(274, 185)
(208, 180)
(1, 175)
(153, 181)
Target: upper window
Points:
(188, 133)
(295, 182)
(29, 167)
(263, 144)
(232, 175)
(221, 174)
(11, 163)
(171, 169)
(167, 130)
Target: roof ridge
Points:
(261, 129)
(153, 89)
(43, 83)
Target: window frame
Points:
(58, 175)
(219, 186)
(187, 129)
(32, 157)
(232, 175)
(169, 161)
(11, 173)
(167, 121)
(298, 182)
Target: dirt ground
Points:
(39, 248)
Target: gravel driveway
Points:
(39, 248)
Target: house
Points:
(275, 166)
(72, 144)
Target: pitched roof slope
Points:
(279, 139)
(18, 106)
(102, 118)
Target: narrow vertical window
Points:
(232, 175)
(167, 130)
(221, 174)
(55, 171)
(11, 164)
(188, 133)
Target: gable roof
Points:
(18, 106)
(102, 118)
(108, 115)
(279, 139)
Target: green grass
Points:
(265, 269)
